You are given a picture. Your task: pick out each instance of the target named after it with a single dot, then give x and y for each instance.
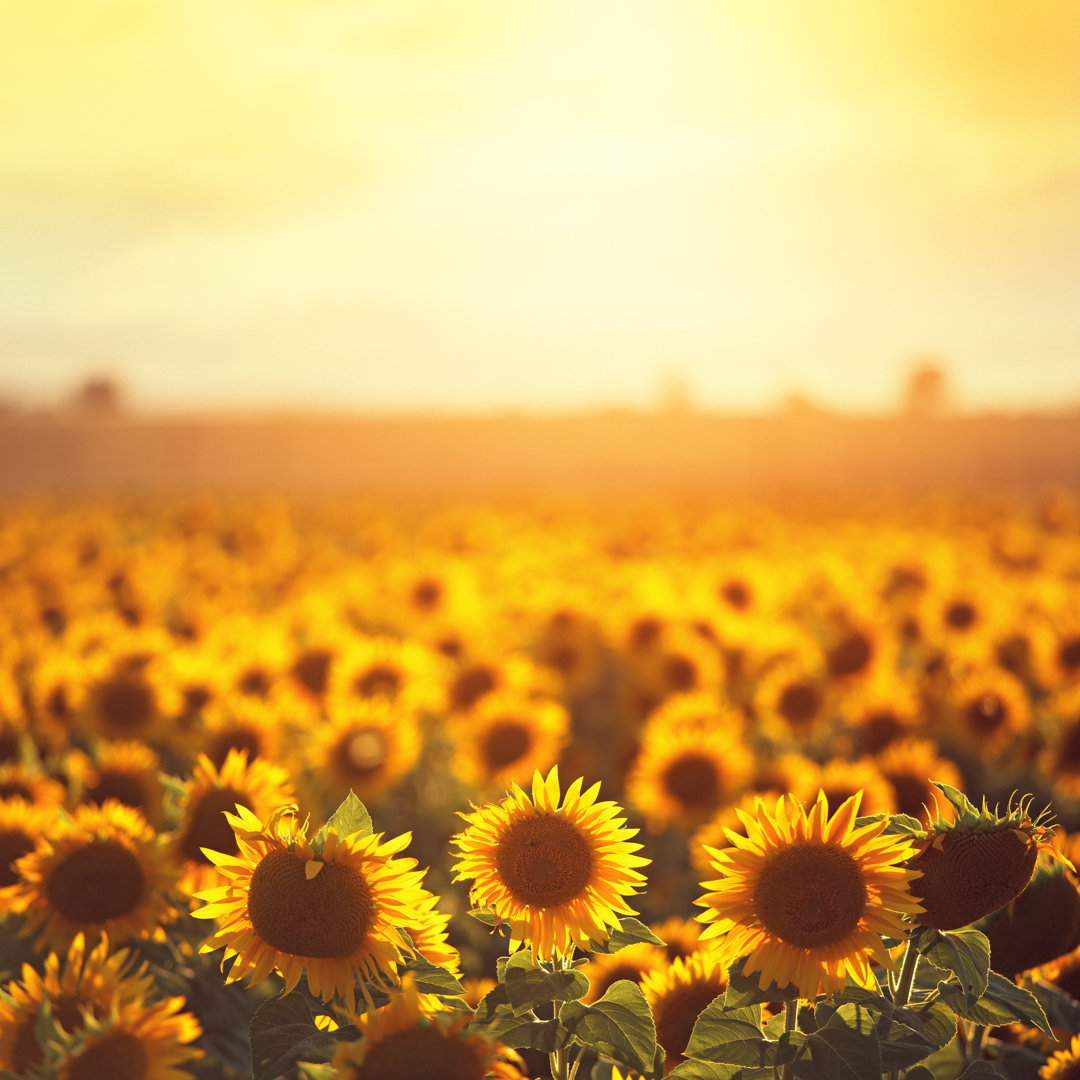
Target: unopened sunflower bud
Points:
(975, 865)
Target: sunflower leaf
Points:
(1003, 1003)
(897, 825)
(351, 818)
(528, 986)
(523, 1032)
(744, 990)
(844, 1049)
(966, 953)
(432, 979)
(283, 1033)
(620, 1025)
(731, 1035)
(631, 931)
(982, 1070)
(715, 1070)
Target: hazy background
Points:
(421, 204)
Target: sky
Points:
(539, 204)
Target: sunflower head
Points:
(976, 863)
(555, 869)
(330, 905)
(678, 993)
(807, 898)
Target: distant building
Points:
(926, 392)
(99, 395)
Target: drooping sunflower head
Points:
(807, 897)
(331, 909)
(977, 862)
(101, 870)
(401, 1042)
(555, 869)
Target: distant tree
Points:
(926, 392)
(99, 395)
(676, 395)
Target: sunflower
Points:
(1057, 652)
(556, 874)
(569, 643)
(907, 765)
(682, 776)
(29, 783)
(678, 994)
(241, 723)
(809, 897)
(505, 737)
(477, 676)
(989, 708)
(714, 832)
(841, 779)
(791, 702)
(405, 673)
(1060, 758)
(124, 703)
(334, 913)
(1064, 1065)
(604, 969)
(882, 712)
(365, 745)
(143, 1042)
(400, 1042)
(21, 824)
(203, 802)
(126, 771)
(93, 982)
(101, 870)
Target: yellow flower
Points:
(21, 823)
(334, 913)
(556, 874)
(807, 897)
(100, 871)
(1064, 1065)
(403, 1043)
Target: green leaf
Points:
(839, 1052)
(966, 953)
(1003, 1003)
(920, 1072)
(312, 1070)
(619, 1025)
(524, 1032)
(731, 1035)
(712, 1070)
(432, 979)
(898, 824)
(351, 818)
(283, 1033)
(487, 916)
(981, 1070)
(914, 1033)
(631, 931)
(528, 986)
(743, 989)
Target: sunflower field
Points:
(540, 788)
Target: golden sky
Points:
(468, 204)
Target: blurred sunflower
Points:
(1064, 1065)
(334, 914)
(27, 782)
(1057, 652)
(21, 825)
(92, 982)
(881, 712)
(124, 770)
(683, 775)
(122, 702)
(990, 709)
(505, 737)
(605, 969)
(404, 673)
(807, 898)
(568, 642)
(203, 802)
(909, 766)
(839, 780)
(1060, 758)
(101, 870)
(366, 745)
(556, 873)
(714, 832)
(399, 1041)
(678, 994)
(241, 723)
(791, 703)
(148, 1041)
(681, 937)
(479, 675)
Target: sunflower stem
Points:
(791, 1019)
(975, 1043)
(904, 984)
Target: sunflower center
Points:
(505, 742)
(986, 714)
(960, 615)
(364, 751)
(119, 1056)
(95, 883)
(1069, 654)
(421, 1052)
(693, 781)
(207, 826)
(325, 917)
(880, 728)
(544, 861)
(811, 895)
(850, 656)
(563, 657)
(736, 593)
(379, 679)
(680, 673)
(234, 738)
(125, 787)
(799, 704)
(126, 705)
(255, 683)
(312, 670)
(677, 1012)
(426, 594)
(470, 686)
(14, 844)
